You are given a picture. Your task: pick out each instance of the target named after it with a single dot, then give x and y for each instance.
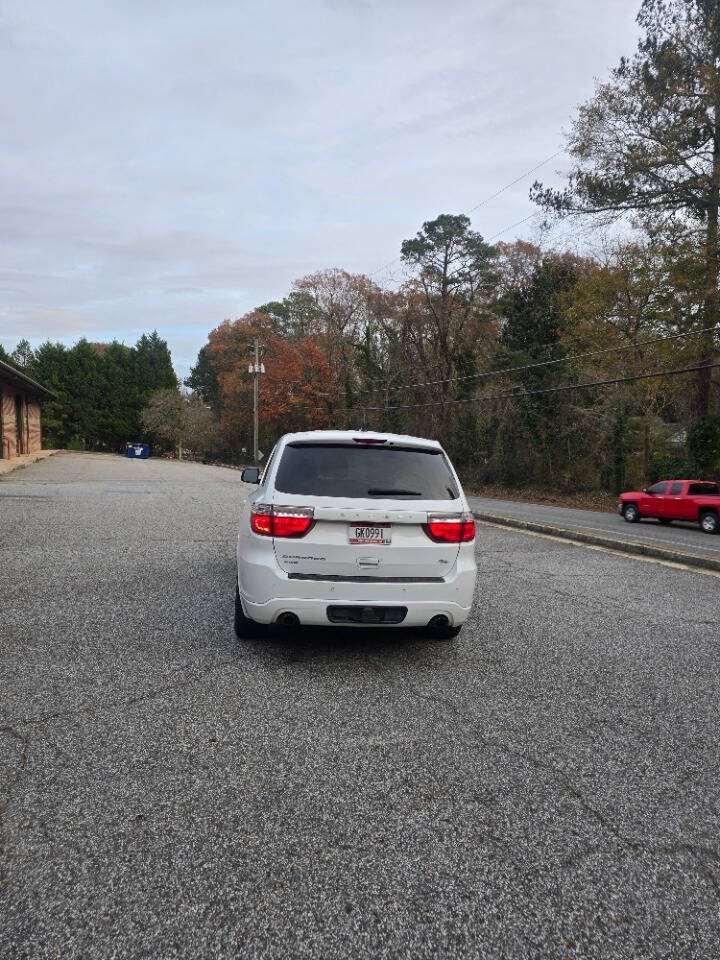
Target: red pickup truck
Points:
(695, 501)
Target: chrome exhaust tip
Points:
(440, 622)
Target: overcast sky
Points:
(169, 164)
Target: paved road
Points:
(679, 536)
(545, 786)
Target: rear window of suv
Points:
(363, 472)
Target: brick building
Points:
(20, 412)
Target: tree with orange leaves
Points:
(296, 390)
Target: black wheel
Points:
(245, 628)
(709, 522)
(443, 633)
(665, 521)
(631, 513)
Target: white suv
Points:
(355, 529)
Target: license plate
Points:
(376, 533)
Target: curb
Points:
(17, 463)
(611, 543)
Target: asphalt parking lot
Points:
(547, 785)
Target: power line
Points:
(487, 374)
(547, 363)
(487, 200)
(510, 185)
(533, 393)
(512, 226)
(477, 206)
(569, 235)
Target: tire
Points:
(709, 522)
(245, 628)
(665, 521)
(443, 633)
(631, 513)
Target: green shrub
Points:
(703, 446)
(668, 467)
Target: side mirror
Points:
(250, 475)
(645, 490)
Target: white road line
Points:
(651, 540)
(592, 546)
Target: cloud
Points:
(171, 164)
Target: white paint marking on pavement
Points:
(650, 540)
(592, 546)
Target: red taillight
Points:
(281, 521)
(292, 522)
(261, 520)
(457, 528)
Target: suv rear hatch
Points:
(370, 506)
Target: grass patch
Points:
(582, 500)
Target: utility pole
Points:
(256, 368)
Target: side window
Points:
(266, 471)
(676, 489)
(703, 490)
(658, 488)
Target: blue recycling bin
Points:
(137, 451)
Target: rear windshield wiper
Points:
(380, 492)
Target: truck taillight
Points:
(287, 522)
(450, 528)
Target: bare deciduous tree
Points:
(182, 420)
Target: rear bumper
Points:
(267, 592)
(314, 612)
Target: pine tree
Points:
(23, 355)
(648, 145)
